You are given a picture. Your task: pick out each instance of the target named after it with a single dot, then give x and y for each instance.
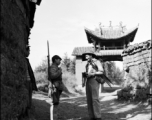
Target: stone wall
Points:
(137, 66)
(16, 22)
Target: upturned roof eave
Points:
(89, 33)
(78, 51)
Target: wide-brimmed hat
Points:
(88, 53)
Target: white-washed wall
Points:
(80, 67)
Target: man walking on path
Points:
(92, 86)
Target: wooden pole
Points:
(51, 112)
(50, 83)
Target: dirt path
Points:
(75, 108)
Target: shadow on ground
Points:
(76, 109)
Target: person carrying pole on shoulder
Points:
(56, 86)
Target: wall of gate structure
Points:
(137, 66)
(16, 22)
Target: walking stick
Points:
(51, 112)
(50, 84)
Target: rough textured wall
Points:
(14, 37)
(137, 59)
(137, 64)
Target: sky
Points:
(62, 23)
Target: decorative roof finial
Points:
(100, 28)
(122, 27)
(120, 23)
(138, 24)
(110, 23)
(100, 24)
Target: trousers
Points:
(92, 95)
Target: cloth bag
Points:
(100, 79)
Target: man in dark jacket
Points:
(56, 85)
(56, 78)
(30, 83)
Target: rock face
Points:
(137, 66)
(16, 22)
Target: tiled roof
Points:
(78, 51)
(109, 52)
(108, 33)
(137, 48)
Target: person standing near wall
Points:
(92, 85)
(56, 86)
(56, 77)
(30, 83)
